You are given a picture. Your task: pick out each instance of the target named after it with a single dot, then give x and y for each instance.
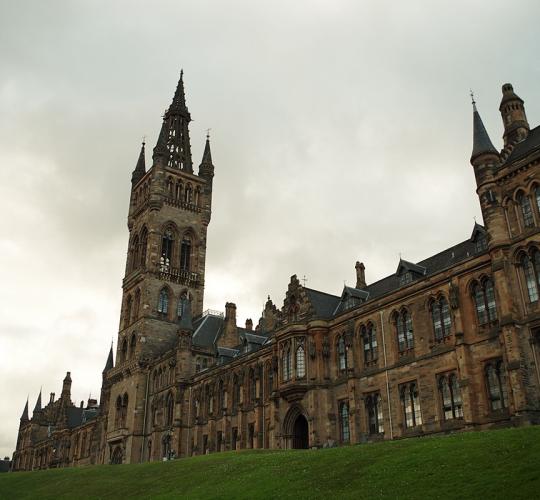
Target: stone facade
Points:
(447, 344)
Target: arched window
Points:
(144, 245)
(369, 337)
(300, 362)
(404, 331)
(496, 384)
(129, 305)
(180, 308)
(269, 380)
(344, 422)
(132, 345)
(484, 301)
(450, 396)
(170, 187)
(531, 268)
(526, 210)
(124, 349)
(136, 305)
(163, 301)
(252, 386)
(170, 410)
(342, 354)
(286, 363)
(410, 405)
(236, 393)
(166, 250)
(197, 196)
(178, 191)
(220, 397)
(118, 416)
(292, 313)
(440, 316)
(135, 253)
(185, 253)
(537, 197)
(374, 413)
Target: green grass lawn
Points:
(480, 465)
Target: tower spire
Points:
(206, 168)
(140, 167)
(481, 142)
(173, 147)
(37, 408)
(109, 364)
(24, 416)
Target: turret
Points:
(484, 156)
(206, 168)
(140, 167)
(229, 337)
(516, 126)
(37, 407)
(66, 387)
(109, 364)
(24, 416)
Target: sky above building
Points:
(340, 130)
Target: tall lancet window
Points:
(163, 301)
(166, 250)
(185, 253)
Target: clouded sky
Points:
(341, 131)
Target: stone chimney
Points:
(249, 325)
(229, 337)
(52, 398)
(360, 275)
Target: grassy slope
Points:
(494, 464)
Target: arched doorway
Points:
(300, 438)
(296, 429)
(116, 457)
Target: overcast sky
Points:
(341, 131)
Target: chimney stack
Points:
(360, 275)
(52, 398)
(249, 325)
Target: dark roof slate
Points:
(433, 265)
(324, 303)
(528, 145)
(74, 416)
(206, 330)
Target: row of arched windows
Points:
(137, 250)
(530, 265)
(142, 194)
(170, 256)
(164, 303)
(299, 351)
(162, 377)
(523, 201)
(167, 407)
(133, 304)
(128, 349)
(177, 192)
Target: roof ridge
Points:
(319, 291)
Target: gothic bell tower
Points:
(169, 213)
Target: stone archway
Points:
(117, 455)
(296, 429)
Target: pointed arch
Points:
(163, 301)
(144, 246)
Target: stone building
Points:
(446, 344)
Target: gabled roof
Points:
(405, 266)
(528, 145)
(206, 330)
(324, 303)
(255, 339)
(478, 230)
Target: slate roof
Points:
(442, 260)
(74, 416)
(410, 266)
(324, 303)
(481, 141)
(523, 148)
(206, 330)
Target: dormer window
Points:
(480, 243)
(350, 302)
(405, 278)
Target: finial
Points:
(472, 99)
(208, 133)
(268, 297)
(143, 140)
